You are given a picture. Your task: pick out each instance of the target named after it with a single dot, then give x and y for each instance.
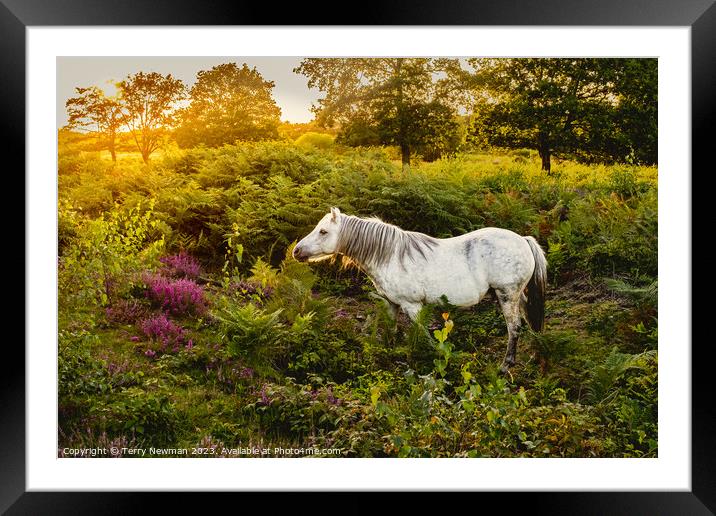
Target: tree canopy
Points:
(391, 101)
(150, 101)
(229, 103)
(93, 111)
(588, 107)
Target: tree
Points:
(395, 101)
(636, 86)
(93, 111)
(229, 103)
(150, 100)
(551, 105)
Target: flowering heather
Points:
(219, 448)
(330, 398)
(246, 372)
(178, 297)
(126, 311)
(168, 335)
(89, 441)
(180, 266)
(265, 398)
(229, 373)
(117, 368)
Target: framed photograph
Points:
(508, 195)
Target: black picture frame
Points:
(699, 15)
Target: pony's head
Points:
(321, 243)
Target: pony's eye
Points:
(323, 232)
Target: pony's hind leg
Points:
(510, 302)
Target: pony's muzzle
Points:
(297, 254)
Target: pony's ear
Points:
(335, 212)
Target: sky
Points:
(291, 91)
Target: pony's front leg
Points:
(391, 307)
(411, 309)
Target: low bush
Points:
(176, 296)
(315, 140)
(180, 266)
(164, 335)
(127, 311)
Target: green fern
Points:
(255, 335)
(647, 295)
(553, 346)
(604, 378)
(263, 273)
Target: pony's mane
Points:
(374, 242)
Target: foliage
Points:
(165, 334)
(104, 399)
(606, 235)
(585, 106)
(126, 311)
(315, 140)
(254, 348)
(149, 100)
(181, 265)
(394, 101)
(648, 295)
(183, 319)
(80, 374)
(93, 110)
(176, 296)
(251, 333)
(137, 413)
(102, 261)
(292, 131)
(248, 291)
(228, 104)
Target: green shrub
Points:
(624, 389)
(80, 374)
(626, 183)
(606, 236)
(148, 416)
(315, 140)
(251, 332)
(103, 257)
(553, 347)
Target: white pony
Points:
(411, 269)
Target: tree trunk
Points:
(544, 151)
(405, 156)
(112, 149)
(545, 155)
(146, 147)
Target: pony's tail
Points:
(536, 287)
